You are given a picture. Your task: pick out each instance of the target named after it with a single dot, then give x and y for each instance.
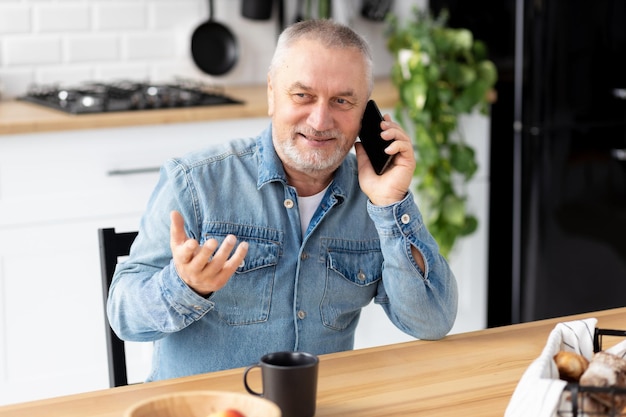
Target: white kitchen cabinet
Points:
(52, 325)
(56, 190)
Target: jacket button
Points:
(301, 315)
(361, 276)
(405, 219)
(288, 203)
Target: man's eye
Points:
(343, 103)
(301, 97)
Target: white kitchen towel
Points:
(538, 392)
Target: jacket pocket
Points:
(247, 296)
(353, 271)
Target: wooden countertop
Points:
(24, 117)
(469, 374)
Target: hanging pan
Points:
(214, 47)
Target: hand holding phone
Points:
(373, 144)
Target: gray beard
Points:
(313, 161)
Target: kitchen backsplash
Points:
(69, 42)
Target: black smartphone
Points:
(373, 144)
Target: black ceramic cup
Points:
(290, 380)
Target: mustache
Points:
(310, 132)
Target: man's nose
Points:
(320, 117)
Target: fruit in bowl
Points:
(204, 404)
(226, 413)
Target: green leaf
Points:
(463, 159)
(453, 210)
(462, 39)
(487, 72)
(470, 226)
(480, 50)
(414, 93)
(427, 151)
(471, 96)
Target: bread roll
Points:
(591, 407)
(606, 370)
(571, 365)
(587, 406)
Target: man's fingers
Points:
(204, 254)
(177, 228)
(183, 248)
(235, 261)
(238, 257)
(224, 259)
(225, 249)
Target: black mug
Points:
(289, 380)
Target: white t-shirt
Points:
(307, 207)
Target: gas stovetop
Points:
(127, 96)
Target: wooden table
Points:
(469, 374)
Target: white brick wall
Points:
(15, 19)
(29, 50)
(61, 18)
(92, 48)
(73, 41)
(119, 16)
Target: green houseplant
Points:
(441, 73)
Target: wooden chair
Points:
(112, 246)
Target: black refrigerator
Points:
(557, 240)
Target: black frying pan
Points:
(214, 47)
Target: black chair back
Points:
(112, 246)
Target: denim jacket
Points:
(292, 292)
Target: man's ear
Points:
(270, 96)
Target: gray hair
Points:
(330, 34)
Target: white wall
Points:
(72, 41)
